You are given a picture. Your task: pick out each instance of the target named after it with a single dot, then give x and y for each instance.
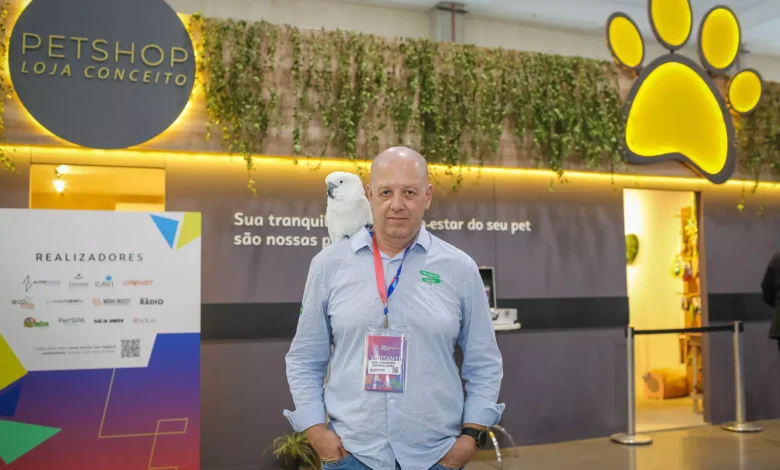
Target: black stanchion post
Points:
(739, 387)
(631, 437)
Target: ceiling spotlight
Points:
(62, 169)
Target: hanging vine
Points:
(243, 99)
(758, 142)
(5, 88)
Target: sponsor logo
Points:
(141, 321)
(72, 321)
(110, 302)
(29, 283)
(145, 301)
(31, 322)
(78, 282)
(108, 282)
(25, 303)
(138, 282)
(64, 302)
(109, 320)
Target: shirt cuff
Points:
(479, 411)
(306, 417)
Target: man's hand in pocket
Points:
(461, 453)
(326, 443)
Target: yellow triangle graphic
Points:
(190, 229)
(11, 370)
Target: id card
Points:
(385, 361)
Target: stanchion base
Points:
(742, 427)
(631, 439)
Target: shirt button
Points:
(391, 401)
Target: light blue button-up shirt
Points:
(416, 428)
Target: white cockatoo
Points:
(348, 209)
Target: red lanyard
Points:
(386, 292)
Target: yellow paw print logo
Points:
(674, 110)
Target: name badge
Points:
(385, 361)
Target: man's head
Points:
(399, 192)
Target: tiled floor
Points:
(700, 448)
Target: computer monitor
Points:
(489, 281)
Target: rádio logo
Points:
(145, 301)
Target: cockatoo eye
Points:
(341, 182)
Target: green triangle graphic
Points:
(16, 439)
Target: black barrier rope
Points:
(631, 437)
(703, 329)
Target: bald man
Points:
(392, 302)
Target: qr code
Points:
(131, 348)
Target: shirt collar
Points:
(362, 239)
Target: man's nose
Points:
(398, 203)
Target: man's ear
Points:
(428, 196)
(368, 192)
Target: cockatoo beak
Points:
(331, 187)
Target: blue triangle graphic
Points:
(9, 398)
(167, 228)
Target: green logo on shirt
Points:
(430, 278)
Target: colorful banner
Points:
(99, 340)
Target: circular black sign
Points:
(102, 74)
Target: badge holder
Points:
(385, 360)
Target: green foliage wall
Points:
(452, 102)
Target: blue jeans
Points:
(351, 463)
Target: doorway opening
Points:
(86, 187)
(664, 291)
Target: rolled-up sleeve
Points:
(482, 363)
(307, 360)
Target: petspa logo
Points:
(178, 234)
(674, 110)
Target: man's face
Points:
(399, 196)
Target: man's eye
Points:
(409, 192)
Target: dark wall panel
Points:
(243, 393)
(566, 244)
(564, 385)
(737, 247)
(761, 360)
